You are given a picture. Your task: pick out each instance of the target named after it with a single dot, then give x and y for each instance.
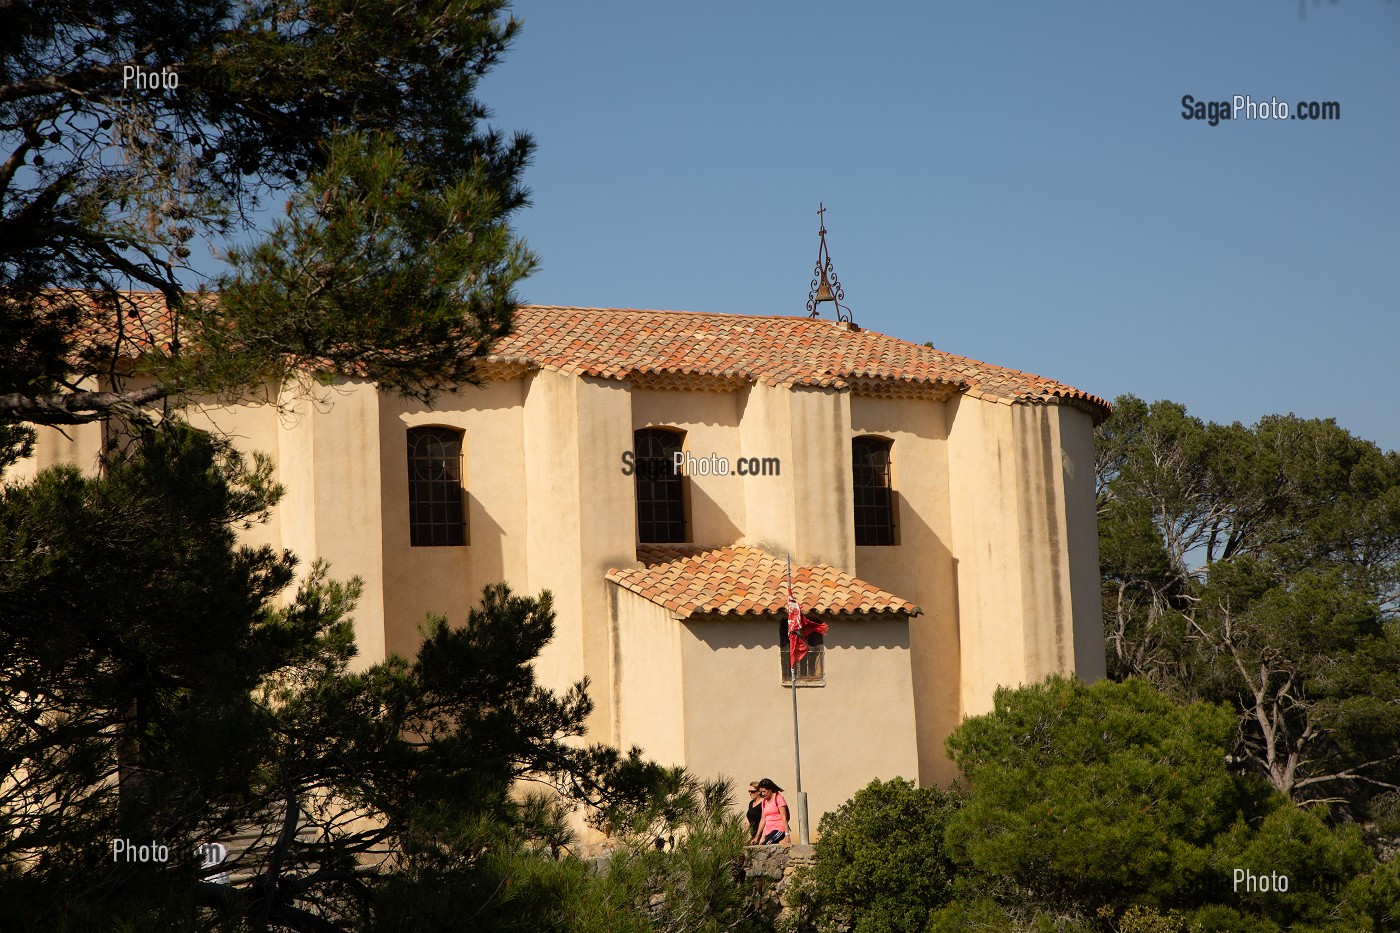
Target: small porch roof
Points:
(692, 580)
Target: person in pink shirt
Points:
(773, 827)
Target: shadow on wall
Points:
(707, 520)
(847, 633)
(439, 580)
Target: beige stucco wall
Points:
(738, 715)
(1075, 433)
(253, 428)
(920, 567)
(710, 421)
(648, 678)
(328, 456)
(448, 580)
(78, 444)
(580, 519)
(997, 544)
(806, 511)
(1017, 531)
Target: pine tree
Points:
(133, 134)
(157, 689)
(1259, 567)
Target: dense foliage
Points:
(1094, 795)
(1259, 567)
(673, 868)
(1092, 809)
(681, 858)
(157, 688)
(882, 866)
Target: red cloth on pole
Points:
(799, 627)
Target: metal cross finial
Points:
(821, 215)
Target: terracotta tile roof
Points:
(140, 321)
(644, 346)
(691, 580)
(621, 343)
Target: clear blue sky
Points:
(1014, 182)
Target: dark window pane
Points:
(660, 492)
(874, 500)
(435, 516)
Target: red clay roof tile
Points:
(625, 343)
(620, 343)
(692, 580)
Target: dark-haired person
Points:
(774, 828)
(755, 813)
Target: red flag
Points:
(799, 627)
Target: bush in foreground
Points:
(881, 864)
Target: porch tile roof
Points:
(691, 580)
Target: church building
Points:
(657, 471)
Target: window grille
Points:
(435, 516)
(874, 497)
(660, 490)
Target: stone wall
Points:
(771, 869)
(776, 862)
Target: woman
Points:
(755, 813)
(774, 828)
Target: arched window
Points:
(435, 517)
(660, 489)
(874, 495)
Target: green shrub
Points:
(1140, 919)
(679, 865)
(881, 865)
(1085, 795)
(1319, 862)
(1371, 902)
(986, 915)
(1217, 918)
